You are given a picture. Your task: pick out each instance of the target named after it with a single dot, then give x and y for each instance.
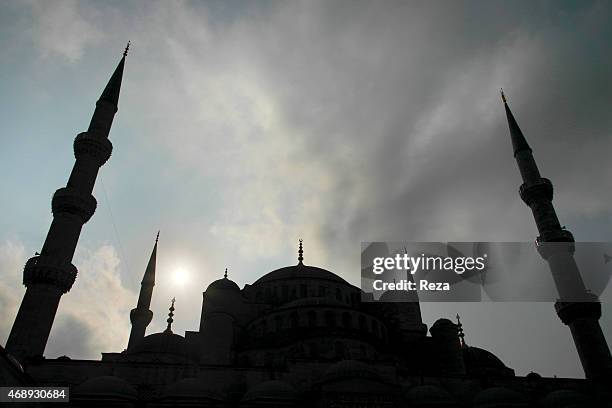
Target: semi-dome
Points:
(350, 369)
(428, 396)
(497, 397)
(299, 271)
(271, 390)
(107, 386)
(195, 388)
(480, 361)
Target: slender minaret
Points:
(576, 307)
(141, 316)
(50, 274)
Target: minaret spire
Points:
(576, 307)
(141, 315)
(300, 253)
(460, 332)
(50, 274)
(170, 317)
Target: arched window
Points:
(338, 294)
(375, 327)
(312, 318)
(362, 322)
(293, 320)
(278, 323)
(346, 320)
(339, 349)
(330, 319)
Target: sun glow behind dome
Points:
(180, 277)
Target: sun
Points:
(180, 276)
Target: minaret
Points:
(141, 316)
(51, 274)
(576, 307)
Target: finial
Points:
(127, 48)
(225, 274)
(170, 315)
(157, 237)
(503, 95)
(300, 253)
(460, 331)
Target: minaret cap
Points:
(127, 48)
(519, 143)
(225, 274)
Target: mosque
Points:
(299, 336)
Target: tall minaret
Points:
(576, 307)
(141, 316)
(50, 274)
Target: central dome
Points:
(299, 271)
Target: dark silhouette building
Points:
(298, 336)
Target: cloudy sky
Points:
(243, 126)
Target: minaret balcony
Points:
(568, 312)
(97, 148)
(46, 270)
(533, 192)
(70, 201)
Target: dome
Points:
(300, 271)
(499, 397)
(428, 395)
(107, 386)
(564, 399)
(224, 284)
(271, 390)
(165, 342)
(314, 301)
(191, 388)
(350, 369)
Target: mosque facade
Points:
(299, 336)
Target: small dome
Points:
(443, 323)
(300, 271)
(191, 388)
(350, 369)
(106, 386)
(564, 399)
(499, 397)
(271, 390)
(428, 395)
(224, 284)
(165, 342)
